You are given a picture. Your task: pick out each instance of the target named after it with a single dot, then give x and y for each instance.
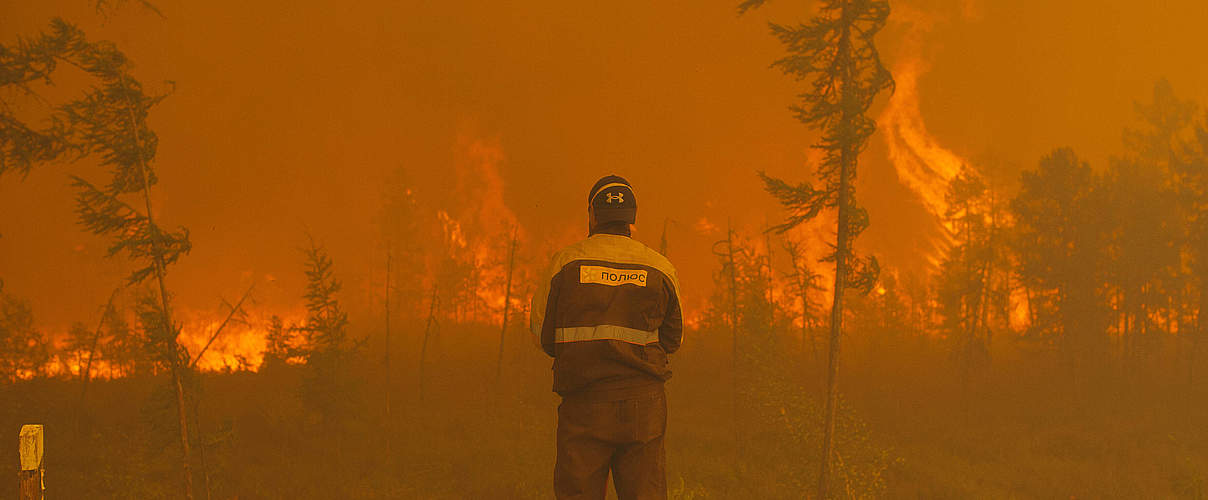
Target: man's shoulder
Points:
(653, 257)
(622, 250)
(570, 253)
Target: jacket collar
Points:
(613, 228)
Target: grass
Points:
(1026, 431)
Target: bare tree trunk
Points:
(1201, 330)
(734, 336)
(968, 316)
(423, 351)
(160, 270)
(836, 328)
(847, 162)
(507, 302)
(96, 338)
(804, 284)
(184, 428)
(214, 336)
(201, 446)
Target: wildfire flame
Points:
(454, 237)
(240, 344)
(480, 188)
(922, 164)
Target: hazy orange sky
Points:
(288, 116)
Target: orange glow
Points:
(482, 213)
(1020, 317)
(452, 230)
(237, 341)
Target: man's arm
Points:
(671, 332)
(541, 311)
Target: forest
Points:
(1030, 331)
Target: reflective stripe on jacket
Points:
(608, 310)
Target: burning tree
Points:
(836, 52)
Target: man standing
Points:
(608, 311)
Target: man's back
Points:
(609, 313)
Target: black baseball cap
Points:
(612, 200)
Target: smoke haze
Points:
(287, 117)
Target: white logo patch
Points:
(618, 197)
(612, 277)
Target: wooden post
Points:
(30, 478)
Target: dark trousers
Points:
(624, 436)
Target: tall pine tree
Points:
(108, 122)
(835, 52)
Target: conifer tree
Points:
(399, 222)
(122, 349)
(23, 349)
(728, 280)
(1141, 239)
(34, 60)
(280, 342)
(1193, 174)
(836, 53)
(1059, 241)
(109, 122)
(803, 283)
(79, 338)
(326, 322)
(1157, 200)
(972, 290)
(330, 388)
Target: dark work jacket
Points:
(608, 310)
